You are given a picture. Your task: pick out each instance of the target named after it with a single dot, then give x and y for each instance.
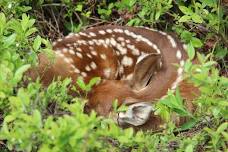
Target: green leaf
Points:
(129, 132)
(181, 111)
(30, 31)
(222, 127)
(187, 65)
(196, 18)
(221, 53)
(189, 148)
(122, 108)
(178, 97)
(31, 22)
(157, 15)
(2, 22)
(135, 21)
(19, 73)
(24, 22)
(115, 105)
(2, 95)
(166, 102)
(189, 124)
(186, 10)
(81, 84)
(79, 7)
(211, 3)
(93, 81)
(200, 57)
(209, 64)
(37, 118)
(185, 18)
(190, 51)
(196, 42)
(37, 43)
(9, 40)
(9, 118)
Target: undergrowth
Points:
(36, 119)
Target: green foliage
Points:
(218, 136)
(88, 87)
(150, 16)
(38, 119)
(175, 104)
(16, 41)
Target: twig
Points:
(79, 19)
(53, 4)
(56, 23)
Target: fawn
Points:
(136, 65)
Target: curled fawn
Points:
(136, 65)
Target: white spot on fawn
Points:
(113, 42)
(102, 32)
(133, 49)
(65, 50)
(140, 38)
(107, 41)
(127, 61)
(91, 42)
(179, 71)
(71, 52)
(185, 47)
(79, 49)
(178, 80)
(82, 42)
(97, 42)
(118, 30)
(120, 39)
(103, 56)
(92, 34)
(121, 49)
(69, 35)
(93, 65)
(178, 54)
(79, 55)
(82, 34)
(94, 53)
(127, 41)
(162, 33)
(121, 69)
(123, 44)
(60, 39)
(88, 68)
(182, 63)
(172, 41)
(91, 48)
(102, 42)
(89, 55)
(59, 53)
(83, 74)
(129, 77)
(109, 30)
(54, 43)
(68, 60)
(107, 72)
(76, 70)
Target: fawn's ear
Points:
(144, 70)
(136, 115)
